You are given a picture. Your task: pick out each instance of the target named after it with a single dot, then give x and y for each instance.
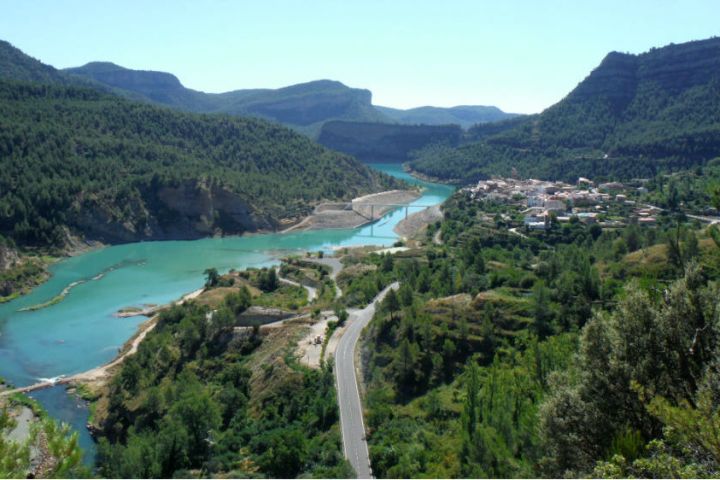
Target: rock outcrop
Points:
(187, 211)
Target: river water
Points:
(81, 332)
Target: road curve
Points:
(351, 412)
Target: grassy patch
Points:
(31, 403)
(286, 297)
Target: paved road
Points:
(702, 218)
(351, 412)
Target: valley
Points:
(296, 282)
(45, 343)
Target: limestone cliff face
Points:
(671, 69)
(188, 211)
(8, 258)
(207, 210)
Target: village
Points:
(610, 204)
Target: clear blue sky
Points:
(522, 56)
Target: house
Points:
(650, 221)
(535, 201)
(556, 204)
(611, 186)
(537, 226)
(587, 217)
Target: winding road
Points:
(351, 411)
(312, 291)
(352, 424)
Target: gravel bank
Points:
(356, 213)
(418, 221)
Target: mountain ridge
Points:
(463, 115)
(632, 116)
(305, 106)
(80, 161)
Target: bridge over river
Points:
(383, 208)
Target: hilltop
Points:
(633, 116)
(464, 115)
(305, 107)
(16, 65)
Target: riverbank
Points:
(356, 213)
(95, 377)
(430, 179)
(22, 270)
(417, 222)
(82, 331)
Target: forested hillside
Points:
(383, 142)
(15, 65)
(464, 115)
(78, 161)
(577, 352)
(633, 116)
(206, 395)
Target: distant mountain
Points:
(304, 107)
(382, 142)
(157, 87)
(633, 116)
(82, 162)
(464, 115)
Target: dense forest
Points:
(575, 352)
(113, 170)
(633, 116)
(383, 142)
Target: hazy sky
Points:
(522, 56)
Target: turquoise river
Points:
(81, 331)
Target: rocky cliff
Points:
(190, 210)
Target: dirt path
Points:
(23, 420)
(312, 291)
(335, 267)
(308, 350)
